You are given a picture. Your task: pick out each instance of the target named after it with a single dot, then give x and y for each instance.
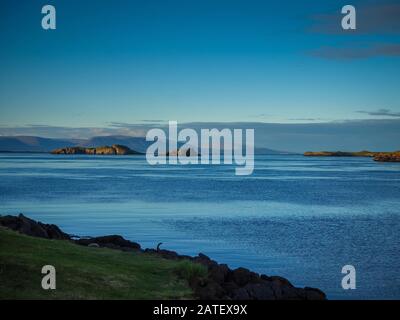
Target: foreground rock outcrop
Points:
(221, 282)
(240, 284)
(32, 228)
(115, 149)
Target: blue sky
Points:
(196, 61)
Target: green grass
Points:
(88, 273)
(188, 270)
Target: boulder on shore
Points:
(111, 241)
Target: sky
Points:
(122, 66)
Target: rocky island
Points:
(186, 152)
(377, 156)
(115, 149)
(113, 267)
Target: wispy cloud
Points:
(153, 121)
(307, 119)
(136, 125)
(351, 52)
(381, 19)
(381, 112)
(377, 19)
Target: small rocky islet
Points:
(387, 156)
(115, 149)
(377, 156)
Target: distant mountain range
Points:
(39, 144)
(33, 144)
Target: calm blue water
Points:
(301, 218)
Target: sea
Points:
(302, 218)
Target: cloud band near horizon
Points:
(350, 135)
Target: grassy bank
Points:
(87, 273)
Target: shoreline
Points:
(220, 282)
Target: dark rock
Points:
(314, 294)
(260, 291)
(204, 260)
(242, 276)
(282, 281)
(208, 290)
(240, 294)
(168, 254)
(243, 284)
(218, 273)
(112, 241)
(32, 228)
(284, 292)
(265, 277)
(230, 286)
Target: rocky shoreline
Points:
(221, 281)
